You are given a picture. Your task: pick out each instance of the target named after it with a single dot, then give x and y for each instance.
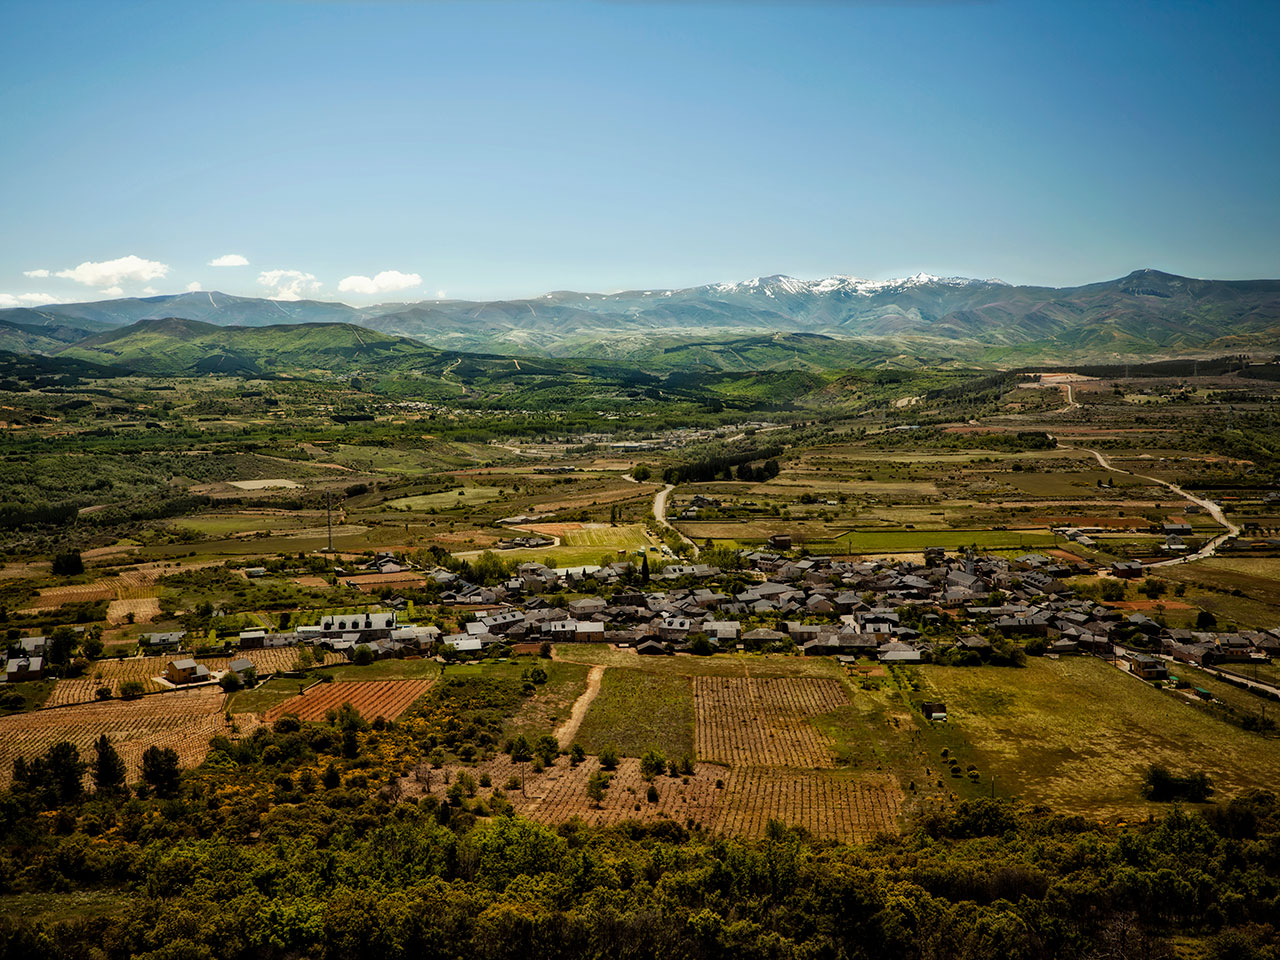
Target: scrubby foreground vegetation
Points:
(241, 860)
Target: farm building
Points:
(185, 671)
(1146, 667)
(1127, 569)
(158, 642)
(651, 648)
(934, 710)
(24, 668)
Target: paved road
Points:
(1215, 511)
(660, 514)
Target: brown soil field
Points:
(1118, 523)
(144, 610)
(184, 720)
(1149, 605)
(371, 698)
(51, 598)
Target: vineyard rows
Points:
(825, 804)
(144, 670)
(371, 698)
(184, 720)
(763, 722)
(828, 804)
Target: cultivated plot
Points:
(184, 721)
(763, 722)
(371, 699)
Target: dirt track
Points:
(569, 729)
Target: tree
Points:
(160, 771)
(547, 748)
(230, 681)
(364, 656)
(609, 757)
(62, 640)
(55, 778)
(108, 768)
(596, 785)
(68, 564)
(644, 568)
(652, 764)
(521, 752)
(131, 690)
(331, 778)
(641, 472)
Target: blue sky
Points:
(497, 149)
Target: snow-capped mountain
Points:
(782, 284)
(1132, 314)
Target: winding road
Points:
(660, 514)
(1215, 511)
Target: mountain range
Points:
(766, 321)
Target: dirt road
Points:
(660, 514)
(569, 729)
(1213, 509)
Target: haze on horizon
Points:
(370, 152)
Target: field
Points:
(371, 698)
(1041, 734)
(145, 670)
(738, 802)
(50, 598)
(637, 710)
(751, 722)
(462, 496)
(185, 721)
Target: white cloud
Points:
(387, 281)
(440, 295)
(112, 273)
(194, 287)
(149, 291)
(288, 284)
(229, 260)
(36, 274)
(25, 299)
(112, 292)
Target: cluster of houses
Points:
(841, 608)
(824, 606)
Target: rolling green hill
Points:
(176, 346)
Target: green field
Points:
(264, 696)
(460, 497)
(1041, 733)
(629, 536)
(385, 670)
(638, 710)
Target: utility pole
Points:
(328, 516)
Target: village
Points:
(959, 609)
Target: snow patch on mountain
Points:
(780, 284)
